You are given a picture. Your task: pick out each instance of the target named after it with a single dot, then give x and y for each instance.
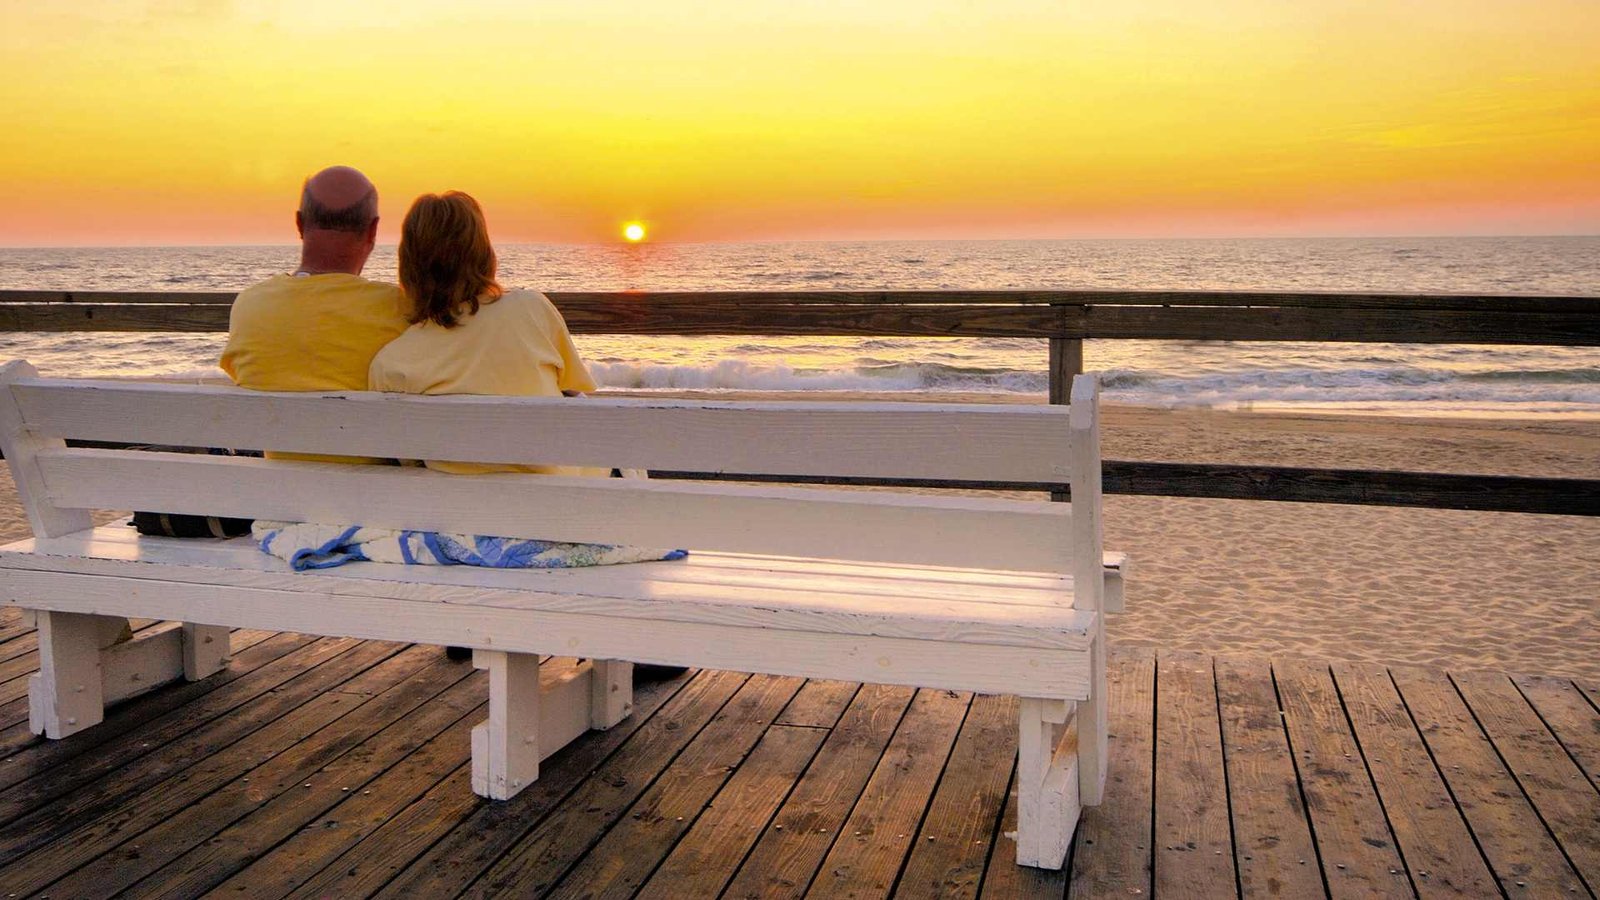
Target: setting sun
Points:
(633, 231)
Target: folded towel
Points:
(308, 545)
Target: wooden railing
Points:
(1065, 319)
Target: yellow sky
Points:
(184, 122)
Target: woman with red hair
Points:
(468, 334)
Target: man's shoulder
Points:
(310, 285)
(266, 288)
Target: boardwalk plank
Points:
(1273, 848)
(14, 714)
(651, 782)
(1569, 716)
(250, 650)
(1508, 828)
(502, 841)
(310, 780)
(363, 811)
(787, 856)
(1560, 791)
(1193, 847)
(872, 844)
(635, 845)
(703, 862)
(819, 704)
(1003, 879)
(21, 645)
(1112, 855)
(69, 840)
(1590, 690)
(11, 623)
(709, 855)
(950, 852)
(146, 756)
(1355, 846)
(431, 831)
(1432, 835)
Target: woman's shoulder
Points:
(524, 303)
(521, 300)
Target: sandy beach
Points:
(1468, 590)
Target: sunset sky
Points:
(194, 122)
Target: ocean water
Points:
(1386, 378)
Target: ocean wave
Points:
(1400, 386)
(745, 375)
(1539, 376)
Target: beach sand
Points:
(1467, 590)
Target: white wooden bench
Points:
(960, 593)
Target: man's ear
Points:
(299, 223)
(372, 233)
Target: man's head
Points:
(337, 221)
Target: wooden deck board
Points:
(1569, 717)
(949, 854)
(787, 856)
(565, 822)
(637, 843)
(1432, 836)
(873, 843)
(41, 809)
(1112, 855)
(1505, 823)
(1272, 835)
(272, 821)
(111, 813)
(1193, 841)
(446, 828)
(1414, 781)
(1355, 845)
(1567, 802)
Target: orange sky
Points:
(190, 121)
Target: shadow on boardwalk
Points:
(326, 767)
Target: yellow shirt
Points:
(311, 333)
(516, 346)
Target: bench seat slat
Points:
(836, 524)
(985, 588)
(699, 593)
(953, 663)
(889, 440)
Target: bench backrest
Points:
(903, 440)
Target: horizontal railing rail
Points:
(1064, 318)
(1062, 315)
(1361, 487)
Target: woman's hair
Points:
(446, 262)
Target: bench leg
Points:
(1047, 782)
(610, 693)
(1092, 735)
(505, 749)
(205, 650)
(67, 694)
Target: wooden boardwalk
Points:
(339, 768)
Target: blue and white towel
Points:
(308, 545)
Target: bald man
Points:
(318, 327)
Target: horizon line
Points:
(883, 240)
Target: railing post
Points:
(1066, 360)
